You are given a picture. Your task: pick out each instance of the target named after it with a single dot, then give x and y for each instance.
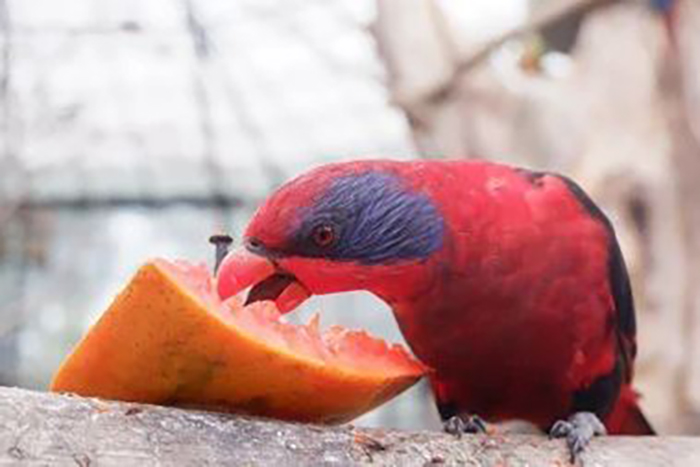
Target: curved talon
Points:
(472, 424)
(454, 426)
(560, 429)
(579, 429)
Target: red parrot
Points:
(508, 283)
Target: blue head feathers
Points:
(371, 218)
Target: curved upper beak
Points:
(241, 269)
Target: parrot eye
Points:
(323, 235)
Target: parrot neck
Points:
(424, 322)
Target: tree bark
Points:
(50, 429)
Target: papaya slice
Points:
(168, 339)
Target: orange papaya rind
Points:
(168, 339)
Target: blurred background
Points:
(132, 129)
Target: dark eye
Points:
(323, 235)
(254, 244)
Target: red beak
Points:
(242, 269)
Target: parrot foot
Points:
(472, 424)
(579, 429)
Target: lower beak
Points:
(241, 269)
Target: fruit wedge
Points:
(168, 339)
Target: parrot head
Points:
(341, 227)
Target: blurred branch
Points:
(562, 11)
(685, 153)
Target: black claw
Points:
(472, 424)
(560, 429)
(578, 430)
(475, 424)
(576, 445)
(454, 426)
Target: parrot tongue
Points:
(269, 289)
(283, 289)
(242, 269)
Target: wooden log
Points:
(49, 429)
